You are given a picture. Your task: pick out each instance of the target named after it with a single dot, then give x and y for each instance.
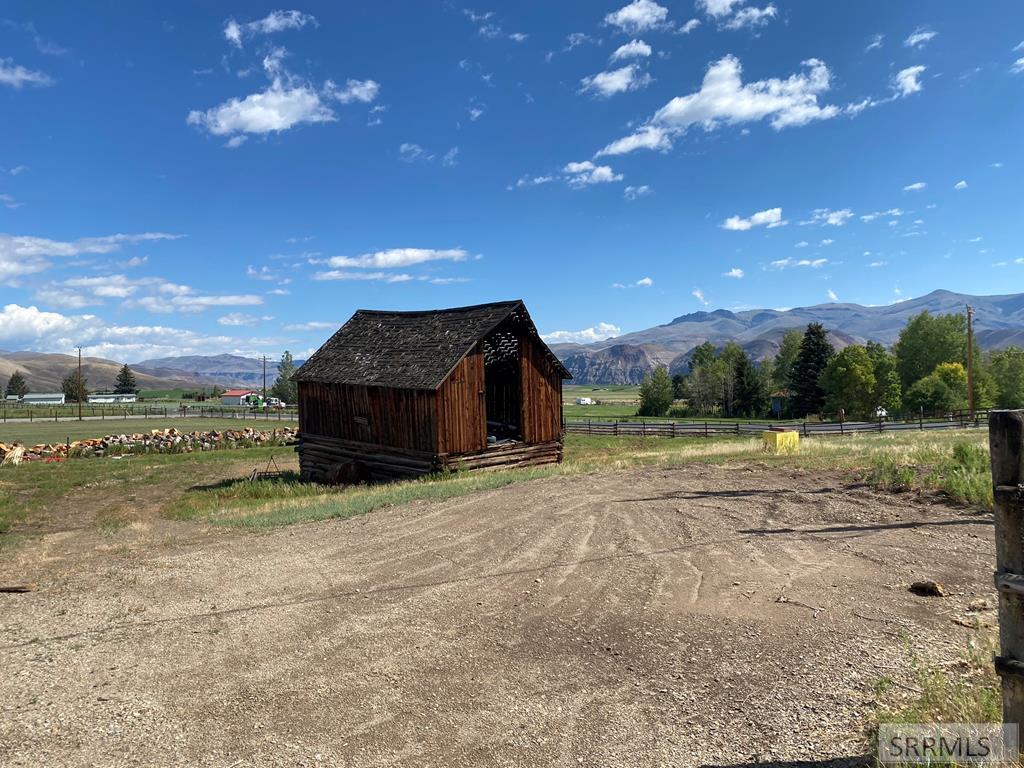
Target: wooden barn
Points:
(407, 393)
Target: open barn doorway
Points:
(503, 386)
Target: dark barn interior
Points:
(408, 393)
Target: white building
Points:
(113, 397)
(43, 398)
(584, 401)
(238, 397)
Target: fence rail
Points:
(641, 428)
(111, 413)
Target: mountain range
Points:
(626, 359)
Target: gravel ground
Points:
(670, 617)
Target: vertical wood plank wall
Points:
(402, 418)
(542, 394)
(462, 425)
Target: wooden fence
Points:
(643, 428)
(112, 413)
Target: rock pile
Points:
(156, 441)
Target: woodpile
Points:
(326, 459)
(156, 441)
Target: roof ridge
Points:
(443, 311)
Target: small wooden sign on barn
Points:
(401, 394)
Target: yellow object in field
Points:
(780, 442)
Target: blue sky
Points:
(210, 177)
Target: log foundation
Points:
(319, 455)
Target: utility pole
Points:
(264, 378)
(79, 388)
(970, 361)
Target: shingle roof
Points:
(410, 350)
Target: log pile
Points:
(321, 458)
(156, 441)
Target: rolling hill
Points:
(45, 372)
(999, 322)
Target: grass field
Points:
(953, 462)
(61, 431)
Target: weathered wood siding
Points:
(462, 423)
(403, 418)
(542, 394)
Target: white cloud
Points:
(876, 42)
(450, 158)
(791, 262)
(907, 81)
(276, 21)
(832, 295)
(409, 152)
(698, 294)
(627, 78)
(734, 272)
(878, 263)
(275, 109)
(802, 244)
(1017, 67)
(475, 113)
(827, 217)
(827, 241)
(18, 77)
(25, 254)
(688, 27)
(919, 38)
(633, 193)
(532, 181)
(644, 282)
(598, 332)
(631, 50)
(638, 16)
(397, 258)
(869, 217)
(363, 91)
(718, 8)
(960, 185)
(313, 325)
(724, 98)
(771, 218)
(31, 328)
(751, 17)
(586, 173)
(239, 319)
(286, 102)
(383, 277)
(915, 187)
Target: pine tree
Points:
(284, 388)
(16, 385)
(125, 381)
(75, 387)
(750, 394)
(815, 352)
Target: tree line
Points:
(75, 385)
(925, 371)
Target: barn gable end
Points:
(407, 393)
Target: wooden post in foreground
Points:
(1006, 443)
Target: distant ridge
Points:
(626, 359)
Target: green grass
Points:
(957, 467)
(61, 431)
(35, 486)
(288, 500)
(967, 692)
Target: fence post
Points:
(705, 429)
(1006, 444)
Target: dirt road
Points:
(690, 616)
